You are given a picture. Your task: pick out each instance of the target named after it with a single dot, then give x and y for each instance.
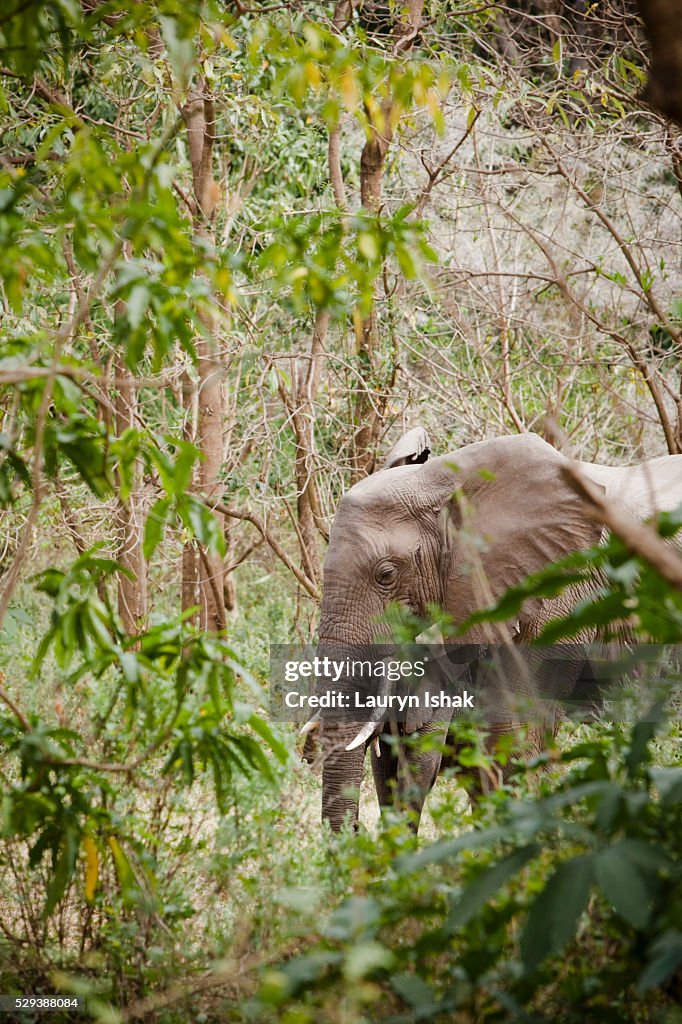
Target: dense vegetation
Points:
(243, 246)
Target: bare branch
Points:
(251, 517)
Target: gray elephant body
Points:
(456, 531)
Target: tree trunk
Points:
(132, 589)
(190, 554)
(199, 116)
(372, 395)
(305, 386)
(210, 443)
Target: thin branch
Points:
(244, 555)
(436, 173)
(646, 289)
(16, 711)
(638, 359)
(251, 517)
(25, 373)
(211, 577)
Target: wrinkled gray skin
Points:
(454, 531)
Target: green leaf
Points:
(642, 734)
(184, 466)
(665, 956)
(415, 992)
(180, 46)
(447, 848)
(138, 300)
(203, 524)
(124, 871)
(130, 667)
(366, 958)
(303, 970)
(64, 867)
(262, 729)
(554, 915)
(485, 885)
(367, 245)
(623, 885)
(155, 526)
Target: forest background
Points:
(244, 246)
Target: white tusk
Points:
(312, 724)
(377, 746)
(364, 734)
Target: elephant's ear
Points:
(412, 448)
(510, 512)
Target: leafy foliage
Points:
(477, 923)
(146, 821)
(168, 712)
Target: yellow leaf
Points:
(444, 83)
(376, 114)
(419, 92)
(357, 328)
(367, 244)
(312, 73)
(226, 39)
(349, 90)
(123, 868)
(91, 867)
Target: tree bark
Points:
(306, 385)
(132, 589)
(210, 443)
(132, 582)
(199, 116)
(371, 397)
(190, 554)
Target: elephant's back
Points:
(644, 489)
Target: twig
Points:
(244, 555)
(436, 174)
(251, 517)
(210, 576)
(16, 711)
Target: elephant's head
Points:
(455, 531)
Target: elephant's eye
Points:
(385, 574)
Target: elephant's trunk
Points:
(342, 770)
(341, 776)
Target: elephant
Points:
(455, 531)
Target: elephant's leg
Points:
(404, 775)
(385, 772)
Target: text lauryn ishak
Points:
(383, 701)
